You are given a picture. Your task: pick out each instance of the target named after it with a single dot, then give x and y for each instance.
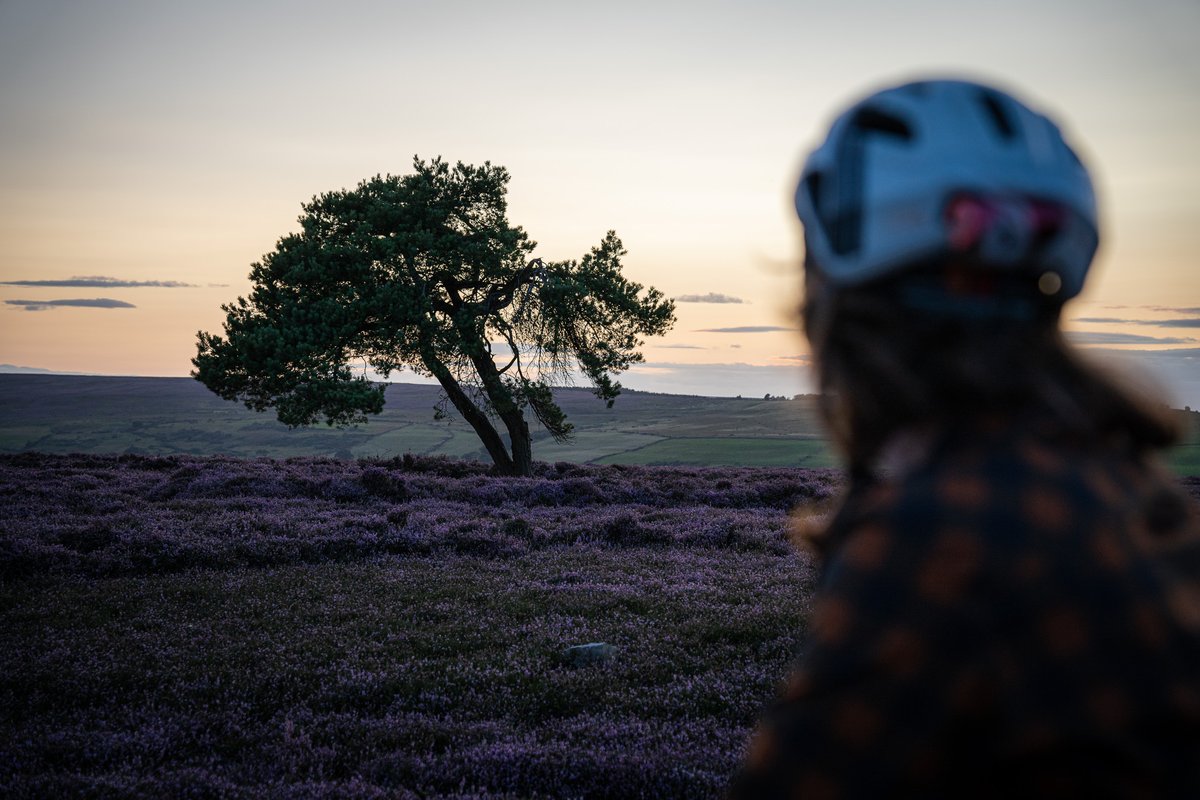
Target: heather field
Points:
(184, 626)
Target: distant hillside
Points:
(92, 414)
(89, 414)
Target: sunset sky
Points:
(151, 150)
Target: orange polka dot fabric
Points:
(1015, 617)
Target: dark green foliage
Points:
(424, 272)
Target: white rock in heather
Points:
(581, 655)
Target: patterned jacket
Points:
(1013, 617)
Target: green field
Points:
(85, 414)
(731, 451)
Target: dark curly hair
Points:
(938, 345)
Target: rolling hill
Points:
(89, 414)
(161, 416)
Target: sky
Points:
(151, 151)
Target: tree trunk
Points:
(522, 442)
(478, 420)
(510, 414)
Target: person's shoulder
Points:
(1001, 480)
(1005, 487)
(1016, 457)
(1042, 482)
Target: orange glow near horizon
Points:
(149, 142)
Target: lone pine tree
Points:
(424, 271)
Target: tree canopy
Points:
(424, 271)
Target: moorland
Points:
(205, 626)
(196, 601)
(200, 602)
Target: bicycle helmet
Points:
(947, 168)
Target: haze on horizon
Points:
(150, 152)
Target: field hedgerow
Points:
(208, 627)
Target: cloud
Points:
(13, 369)
(1188, 322)
(747, 329)
(1172, 310)
(9, 369)
(1097, 338)
(681, 347)
(1191, 322)
(45, 305)
(100, 282)
(711, 297)
(1176, 354)
(1166, 309)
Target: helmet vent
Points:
(872, 120)
(998, 115)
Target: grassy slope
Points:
(63, 414)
